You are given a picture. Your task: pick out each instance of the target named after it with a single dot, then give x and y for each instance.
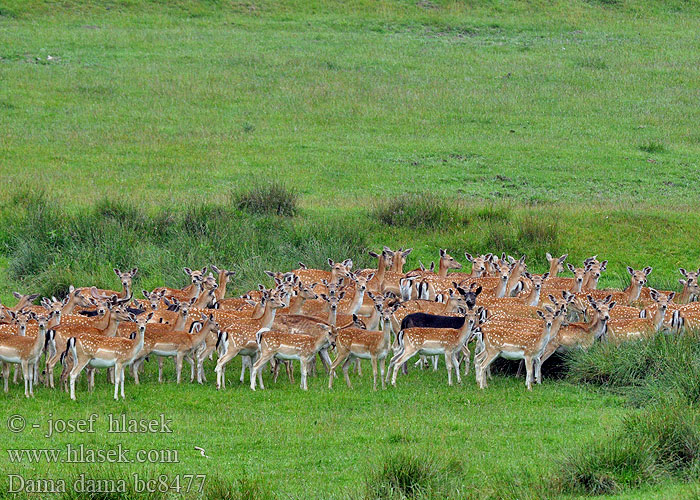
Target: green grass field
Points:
(128, 128)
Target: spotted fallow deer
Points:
(180, 345)
(556, 264)
(126, 278)
(99, 351)
(516, 341)
(499, 306)
(338, 270)
(224, 277)
(107, 326)
(622, 330)
(580, 335)
(630, 294)
(191, 290)
(593, 270)
(287, 346)
(691, 289)
(358, 343)
(428, 283)
(23, 300)
(238, 337)
(436, 341)
(25, 351)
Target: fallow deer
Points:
(436, 341)
(357, 343)
(25, 351)
(106, 352)
(621, 330)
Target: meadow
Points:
(165, 134)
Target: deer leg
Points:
(290, 371)
(358, 366)
(6, 375)
(467, 358)
(408, 353)
(15, 378)
(484, 363)
(528, 368)
(374, 371)
(245, 362)
(342, 356)
(381, 373)
(346, 367)
(325, 359)
(521, 364)
(25, 375)
(160, 369)
(304, 371)
(257, 367)
(74, 373)
(455, 364)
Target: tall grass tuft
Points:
(273, 197)
(403, 476)
(245, 488)
(420, 211)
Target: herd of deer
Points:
(499, 307)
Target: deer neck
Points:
(220, 292)
(632, 292)
(138, 343)
(103, 322)
(357, 300)
(332, 316)
(55, 321)
(296, 303)
(257, 311)
(658, 318)
(381, 269)
(39, 342)
(126, 291)
(373, 320)
(268, 316)
(544, 338)
(513, 279)
(685, 295)
(180, 323)
(442, 269)
(386, 331)
(553, 268)
(465, 331)
(111, 328)
(195, 292)
(533, 298)
(577, 286)
(501, 288)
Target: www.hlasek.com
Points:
(178, 483)
(82, 454)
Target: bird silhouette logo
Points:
(201, 451)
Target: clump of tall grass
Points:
(652, 147)
(403, 476)
(272, 197)
(419, 210)
(659, 443)
(662, 368)
(244, 488)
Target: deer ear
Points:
(373, 254)
(406, 252)
(145, 293)
(549, 256)
(187, 270)
(348, 263)
(630, 270)
(540, 314)
(442, 252)
(215, 269)
(330, 262)
(545, 276)
(324, 297)
(570, 267)
(653, 294)
(683, 272)
(341, 295)
(468, 257)
(270, 274)
(682, 282)
(647, 270)
(671, 295)
(134, 271)
(116, 271)
(302, 265)
(603, 265)
(369, 278)
(611, 305)
(17, 295)
(148, 318)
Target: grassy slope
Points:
(183, 101)
(489, 101)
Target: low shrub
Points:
(273, 197)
